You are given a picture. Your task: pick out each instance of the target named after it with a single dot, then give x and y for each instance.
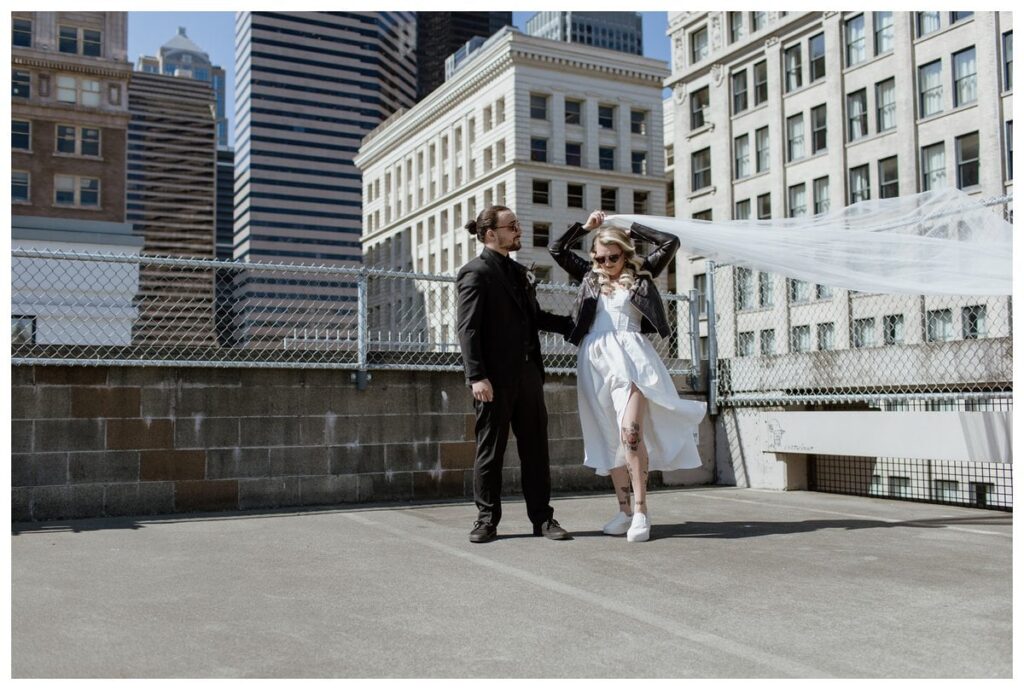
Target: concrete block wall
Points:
(107, 441)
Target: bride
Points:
(632, 418)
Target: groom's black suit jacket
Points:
(499, 318)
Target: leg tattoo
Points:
(631, 436)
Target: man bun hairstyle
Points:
(487, 220)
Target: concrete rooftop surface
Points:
(734, 583)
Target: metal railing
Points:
(84, 308)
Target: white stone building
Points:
(779, 114)
(550, 129)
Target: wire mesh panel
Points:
(91, 308)
(973, 484)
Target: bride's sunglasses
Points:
(611, 259)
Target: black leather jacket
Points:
(644, 293)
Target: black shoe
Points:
(483, 532)
(550, 529)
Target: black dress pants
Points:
(518, 403)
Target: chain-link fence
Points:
(781, 340)
(91, 308)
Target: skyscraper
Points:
(622, 31)
(182, 57)
(310, 86)
(439, 34)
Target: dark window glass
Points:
(21, 84)
(538, 107)
(574, 195)
(21, 135)
(541, 234)
(819, 129)
(606, 158)
(573, 154)
(967, 160)
(606, 116)
(68, 42)
(539, 150)
(888, 178)
(817, 54)
(541, 192)
(739, 92)
(760, 82)
(699, 102)
(639, 162)
(638, 122)
(609, 199)
(573, 114)
(21, 33)
(701, 169)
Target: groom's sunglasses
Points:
(611, 258)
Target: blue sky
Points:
(214, 32)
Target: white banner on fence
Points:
(964, 436)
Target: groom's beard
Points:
(513, 245)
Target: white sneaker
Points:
(640, 529)
(617, 525)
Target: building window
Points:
(81, 91)
(761, 145)
(1008, 60)
(73, 190)
(884, 32)
(766, 290)
(20, 185)
(794, 70)
(78, 141)
(21, 135)
(539, 150)
(741, 152)
(955, 17)
(856, 41)
(698, 45)
(21, 84)
(857, 114)
(640, 200)
(735, 26)
(967, 160)
(764, 206)
(21, 33)
(609, 199)
(933, 167)
(669, 156)
(972, 321)
(799, 291)
(541, 192)
(638, 122)
(863, 333)
(700, 284)
(741, 210)
(80, 41)
(823, 291)
(760, 82)
(885, 102)
(606, 116)
(767, 342)
(929, 80)
(927, 22)
(606, 158)
(888, 178)
(23, 330)
(795, 137)
(541, 234)
(800, 339)
(892, 329)
(744, 289)
(702, 215)
(758, 20)
(538, 106)
(939, 325)
(640, 163)
(700, 101)
(965, 77)
(819, 129)
(797, 200)
(700, 164)
(573, 112)
(821, 202)
(826, 337)
(574, 195)
(1009, 150)
(816, 53)
(860, 184)
(745, 344)
(573, 153)
(739, 92)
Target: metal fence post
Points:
(694, 339)
(362, 335)
(712, 341)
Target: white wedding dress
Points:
(612, 355)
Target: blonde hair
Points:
(633, 264)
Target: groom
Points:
(498, 322)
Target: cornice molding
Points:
(100, 70)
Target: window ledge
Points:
(703, 129)
(700, 192)
(78, 156)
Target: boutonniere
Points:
(531, 279)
